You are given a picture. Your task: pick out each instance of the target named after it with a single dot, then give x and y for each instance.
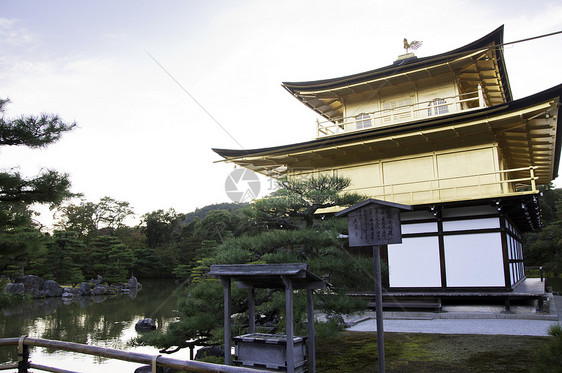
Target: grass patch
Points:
(404, 352)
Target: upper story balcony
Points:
(403, 111)
(480, 185)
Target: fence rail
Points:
(449, 188)
(539, 268)
(157, 362)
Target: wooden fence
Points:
(157, 362)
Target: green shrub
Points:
(549, 357)
(213, 359)
(328, 329)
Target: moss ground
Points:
(357, 352)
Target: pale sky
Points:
(141, 138)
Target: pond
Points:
(103, 322)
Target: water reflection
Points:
(100, 321)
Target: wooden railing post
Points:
(533, 182)
(481, 101)
(154, 365)
(23, 355)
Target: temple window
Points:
(397, 110)
(437, 107)
(363, 121)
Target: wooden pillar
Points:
(441, 239)
(23, 355)
(227, 323)
(251, 311)
(379, 310)
(311, 337)
(289, 324)
(505, 250)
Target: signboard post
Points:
(374, 223)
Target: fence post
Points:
(23, 355)
(154, 365)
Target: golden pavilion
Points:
(443, 134)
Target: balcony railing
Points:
(405, 113)
(473, 186)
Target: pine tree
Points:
(201, 312)
(34, 132)
(60, 262)
(20, 239)
(110, 259)
(302, 197)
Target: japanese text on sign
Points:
(374, 225)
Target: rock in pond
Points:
(14, 288)
(145, 324)
(99, 290)
(32, 283)
(133, 283)
(84, 288)
(52, 289)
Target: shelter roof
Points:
(373, 202)
(269, 275)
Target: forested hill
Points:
(200, 213)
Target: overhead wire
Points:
(428, 60)
(194, 99)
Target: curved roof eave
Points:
(551, 93)
(495, 36)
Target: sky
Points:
(154, 86)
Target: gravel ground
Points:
(460, 326)
(465, 325)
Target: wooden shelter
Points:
(444, 135)
(290, 276)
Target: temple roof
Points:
(525, 129)
(481, 61)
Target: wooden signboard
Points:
(374, 225)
